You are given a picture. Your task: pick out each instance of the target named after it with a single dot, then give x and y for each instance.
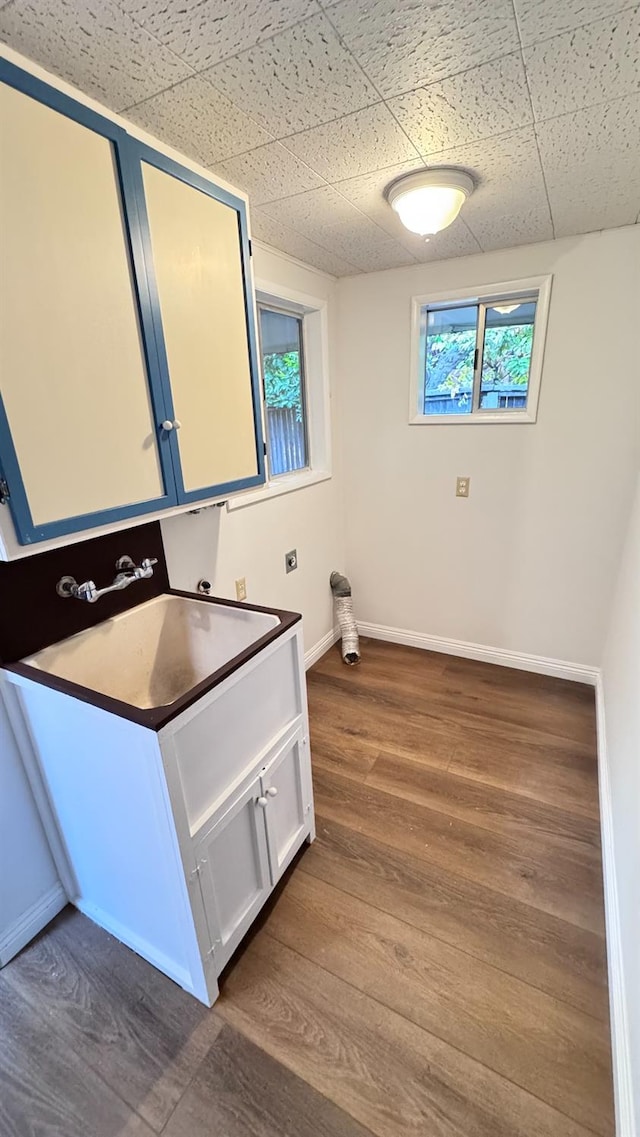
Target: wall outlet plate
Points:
(241, 588)
(291, 560)
(462, 487)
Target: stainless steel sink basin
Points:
(155, 653)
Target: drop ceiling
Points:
(313, 108)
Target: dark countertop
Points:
(156, 717)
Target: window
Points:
(282, 357)
(293, 342)
(478, 357)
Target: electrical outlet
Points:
(241, 588)
(291, 560)
(462, 487)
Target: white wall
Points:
(621, 696)
(30, 893)
(525, 564)
(251, 542)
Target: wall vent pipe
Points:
(346, 620)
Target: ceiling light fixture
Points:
(429, 200)
(504, 309)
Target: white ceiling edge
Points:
(258, 244)
(424, 267)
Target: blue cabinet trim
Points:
(129, 153)
(28, 84)
(152, 157)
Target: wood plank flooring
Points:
(434, 964)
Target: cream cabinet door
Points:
(197, 250)
(80, 435)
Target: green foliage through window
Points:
(507, 355)
(504, 358)
(282, 381)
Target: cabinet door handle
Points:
(272, 791)
(168, 424)
(262, 801)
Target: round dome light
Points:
(429, 200)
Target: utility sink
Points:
(152, 655)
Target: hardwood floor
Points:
(433, 965)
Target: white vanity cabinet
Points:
(258, 832)
(175, 837)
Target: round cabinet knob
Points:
(272, 791)
(176, 424)
(262, 801)
(167, 424)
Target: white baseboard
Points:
(142, 947)
(314, 654)
(620, 1040)
(31, 922)
(559, 668)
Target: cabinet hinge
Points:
(4, 491)
(250, 249)
(195, 873)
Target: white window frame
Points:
(315, 345)
(480, 294)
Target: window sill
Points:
(283, 484)
(473, 419)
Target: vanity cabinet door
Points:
(79, 430)
(286, 786)
(233, 866)
(197, 253)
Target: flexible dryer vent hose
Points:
(344, 611)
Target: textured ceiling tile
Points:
(289, 241)
(585, 67)
(299, 79)
(199, 121)
(406, 43)
(590, 160)
(203, 32)
(487, 100)
(541, 19)
(367, 194)
(386, 253)
(94, 45)
(324, 216)
(509, 205)
(269, 172)
(355, 144)
(455, 241)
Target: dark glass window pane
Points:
(506, 359)
(449, 353)
(282, 368)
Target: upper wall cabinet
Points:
(128, 371)
(196, 274)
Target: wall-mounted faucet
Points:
(126, 570)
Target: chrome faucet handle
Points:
(68, 586)
(127, 573)
(87, 591)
